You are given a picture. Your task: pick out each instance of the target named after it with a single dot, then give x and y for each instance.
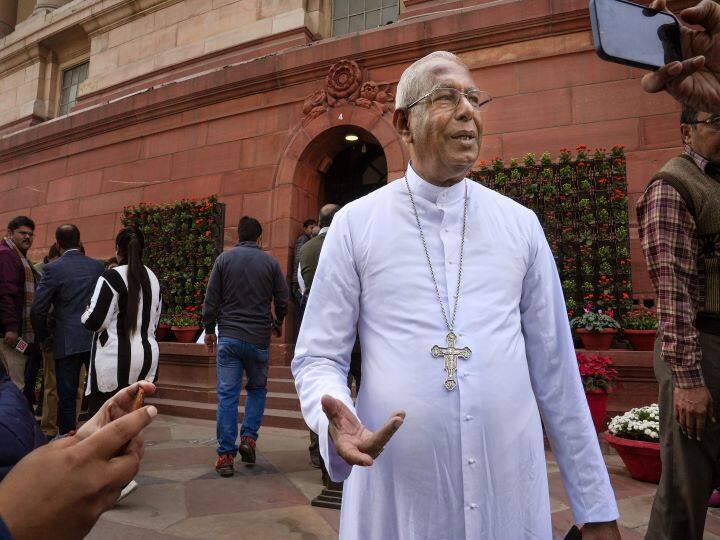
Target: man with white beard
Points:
(463, 330)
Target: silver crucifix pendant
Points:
(450, 354)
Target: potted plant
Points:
(635, 436)
(596, 328)
(640, 327)
(185, 325)
(598, 377)
(163, 328)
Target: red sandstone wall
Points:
(550, 93)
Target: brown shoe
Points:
(247, 449)
(225, 465)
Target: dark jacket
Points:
(243, 284)
(67, 285)
(19, 433)
(12, 290)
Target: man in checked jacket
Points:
(679, 227)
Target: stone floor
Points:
(181, 496)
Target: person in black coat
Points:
(67, 285)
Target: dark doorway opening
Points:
(355, 171)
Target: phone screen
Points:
(636, 34)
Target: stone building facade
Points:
(107, 103)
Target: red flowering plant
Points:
(597, 372)
(640, 319)
(186, 317)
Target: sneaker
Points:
(247, 449)
(225, 465)
(714, 501)
(127, 490)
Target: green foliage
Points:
(182, 240)
(581, 202)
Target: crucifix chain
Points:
(451, 322)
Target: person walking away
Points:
(244, 283)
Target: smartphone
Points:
(21, 345)
(634, 35)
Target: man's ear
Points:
(686, 133)
(401, 121)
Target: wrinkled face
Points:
(446, 140)
(22, 237)
(704, 138)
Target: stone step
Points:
(275, 400)
(207, 411)
(280, 372)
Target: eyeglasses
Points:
(449, 98)
(713, 122)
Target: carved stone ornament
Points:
(344, 86)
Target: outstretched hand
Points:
(355, 443)
(696, 80)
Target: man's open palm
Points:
(696, 80)
(353, 442)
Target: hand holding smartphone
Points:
(634, 35)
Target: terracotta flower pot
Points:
(597, 402)
(185, 334)
(641, 340)
(596, 341)
(641, 458)
(162, 331)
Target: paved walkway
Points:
(181, 496)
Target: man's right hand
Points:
(210, 343)
(60, 490)
(693, 410)
(10, 339)
(353, 442)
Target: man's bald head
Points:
(327, 213)
(67, 237)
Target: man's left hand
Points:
(601, 531)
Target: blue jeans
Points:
(67, 373)
(234, 356)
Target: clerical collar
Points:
(704, 164)
(430, 192)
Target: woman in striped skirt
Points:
(123, 313)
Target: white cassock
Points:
(467, 463)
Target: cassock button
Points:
(473, 506)
(468, 417)
(471, 461)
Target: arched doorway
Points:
(357, 167)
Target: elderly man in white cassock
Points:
(465, 344)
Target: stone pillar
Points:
(8, 17)
(50, 4)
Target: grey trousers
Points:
(690, 468)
